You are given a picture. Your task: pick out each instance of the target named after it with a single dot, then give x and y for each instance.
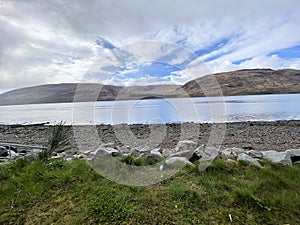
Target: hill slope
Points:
(241, 82)
(247, 82)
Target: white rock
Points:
(295, 155)
(231, 153)
(57, 157)
(187, 154)
(177, 160)
(206, 153)
(100, 152)
(12, 154)
(294, 152)
(248, 159)
(255, 154)
(186, 145)
(167, 152)
(154, 155)
(283, 158)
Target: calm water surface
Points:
(212, 109)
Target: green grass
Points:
(60, 192)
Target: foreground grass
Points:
(62, 192)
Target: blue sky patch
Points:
(288, 53)
(241, 61)
(214, 47)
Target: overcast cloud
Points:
(59, 41)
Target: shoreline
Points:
(270, 135)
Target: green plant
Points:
(59, 140)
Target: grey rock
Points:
(187, 154)
(3, 151)
(231, 153)
(154, 155)
(283, 158)
(295, 155)
(136, 152)
(294, 152)
(248, 159)
(177, 161)
(101, 152)
(206, 153)
(157, 150)
(167, 152)
(186, 145)
(255, 154)
(107, 145)
(12, 154)
(125, 149)
(113, 152)
(57, 157)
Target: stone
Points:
(57, 157)
(113, 152)
(157, 150)
(295, 155)
(167, 152)
(136, 152)
(186, 145)
(283, 158)
(231, 153)
(125, 149)
(108, 145)
(12, 154)
(206, 153)
(187, 154)
(254, 154)
(3, 151)
(101, 152)
(154, 155)
(248, 159)
(177, 161)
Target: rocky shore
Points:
(280, 135)
(246, 136)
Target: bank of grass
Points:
(60, 192)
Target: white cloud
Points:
(55, 41)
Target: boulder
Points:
(125, 149)
(175, 161)
(154, 155)
(187, 154)
(3, 151)
(136, 152)
(283, 158)
(295, 155)
(206, 153)
(167, 152)
(255, 154)
(231, 153)
(186, 145)
(12, 154)
(113, 152)
(101, 152)
(248, 159)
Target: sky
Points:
(139, 42)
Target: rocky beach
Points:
(278, 135)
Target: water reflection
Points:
(212, 109)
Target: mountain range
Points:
(240, 82)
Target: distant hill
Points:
(241, 82)
(247, 82)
